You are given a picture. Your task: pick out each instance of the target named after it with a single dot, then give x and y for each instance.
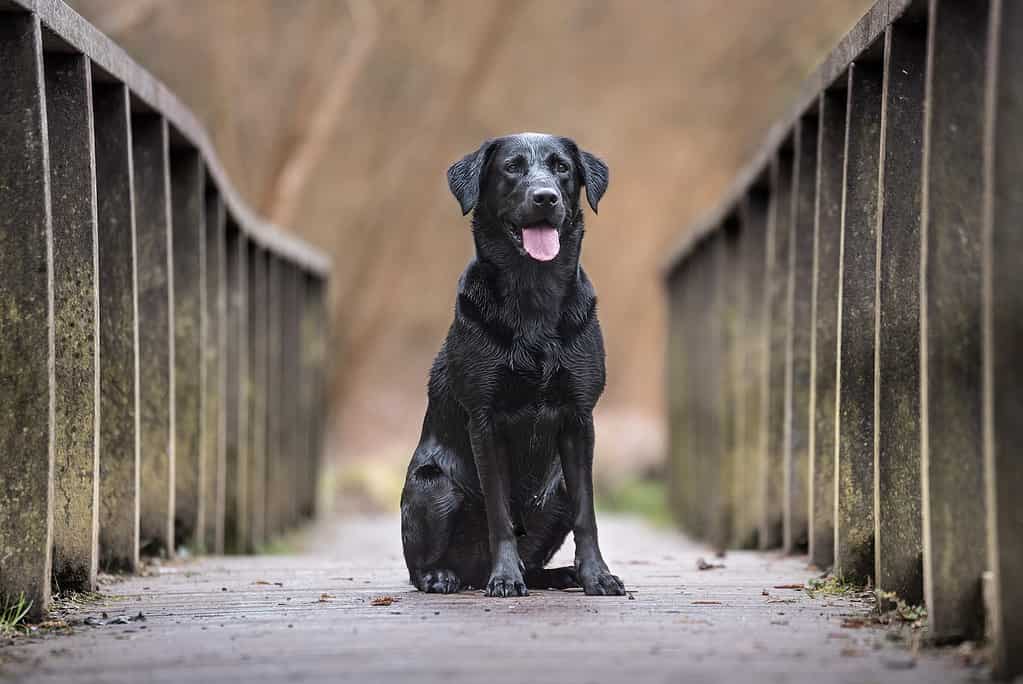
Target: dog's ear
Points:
(466, 174)
(592, 171)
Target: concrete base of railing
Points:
(843, 354)
(161, 349)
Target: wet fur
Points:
(503, 469)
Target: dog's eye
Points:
(561, 166)
(512, 166)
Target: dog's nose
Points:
(544, 197)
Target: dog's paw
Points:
(505, 585)
(439, 582)
(602, 583)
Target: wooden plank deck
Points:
(310, 617)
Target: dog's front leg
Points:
(492, 467)
(576, 450)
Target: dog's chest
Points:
(534, 380)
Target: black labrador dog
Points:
(504, 466)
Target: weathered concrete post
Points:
(291, 382)
(824, 343)
(275, 399)
(854, 456)
(797, 376)
(188, 212)
(778, 326)
(156, 330)
(76, 321)
(214, 373)
(678, 410)
(753, 213)
(716, 343)
(236, 517)
(1003, 326)
(26, 320)
(697, 493)
(952, 465)
(306, 425)
(118, 312)
(320, 370)
(732, 280)
(258, 332)
(898, 562)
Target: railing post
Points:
(236, 517)
(275, 401)
(716, 343)
(292, 382)
(898, 559)
(118, 315)
(214, 372)
(321, 370)
(854, 455)
(76, 321)
(1003, 326)
(797, 376)
(831, 125)
(697, 493)
(258, 332)
(753, 212)
(307, 423)
(26, 320)
(156, 331)
(952, 463)
(732, 279)
(778, 325)
(677, 362)
(188, 212)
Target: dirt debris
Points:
(702, 564)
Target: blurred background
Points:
(337, 119)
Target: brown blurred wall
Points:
(338, 119)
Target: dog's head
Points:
(525, 189)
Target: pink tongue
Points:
(541, 242)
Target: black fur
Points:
(508, 433)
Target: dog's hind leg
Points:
(429, 504)
(546, 530)
(552, 578)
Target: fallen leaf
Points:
(53, 624)
(850, 652)
(261, 582)
(706, 603)
(383, 601)
(326, 597)
(853, 623)
(790, 586)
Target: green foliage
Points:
(644, 497)
(12, 615)
(830, 586)
(890, 606)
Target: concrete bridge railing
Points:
(844, 355)
(162, 349)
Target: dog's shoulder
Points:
(579, 311)
(477, 306)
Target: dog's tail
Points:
(552, 578)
